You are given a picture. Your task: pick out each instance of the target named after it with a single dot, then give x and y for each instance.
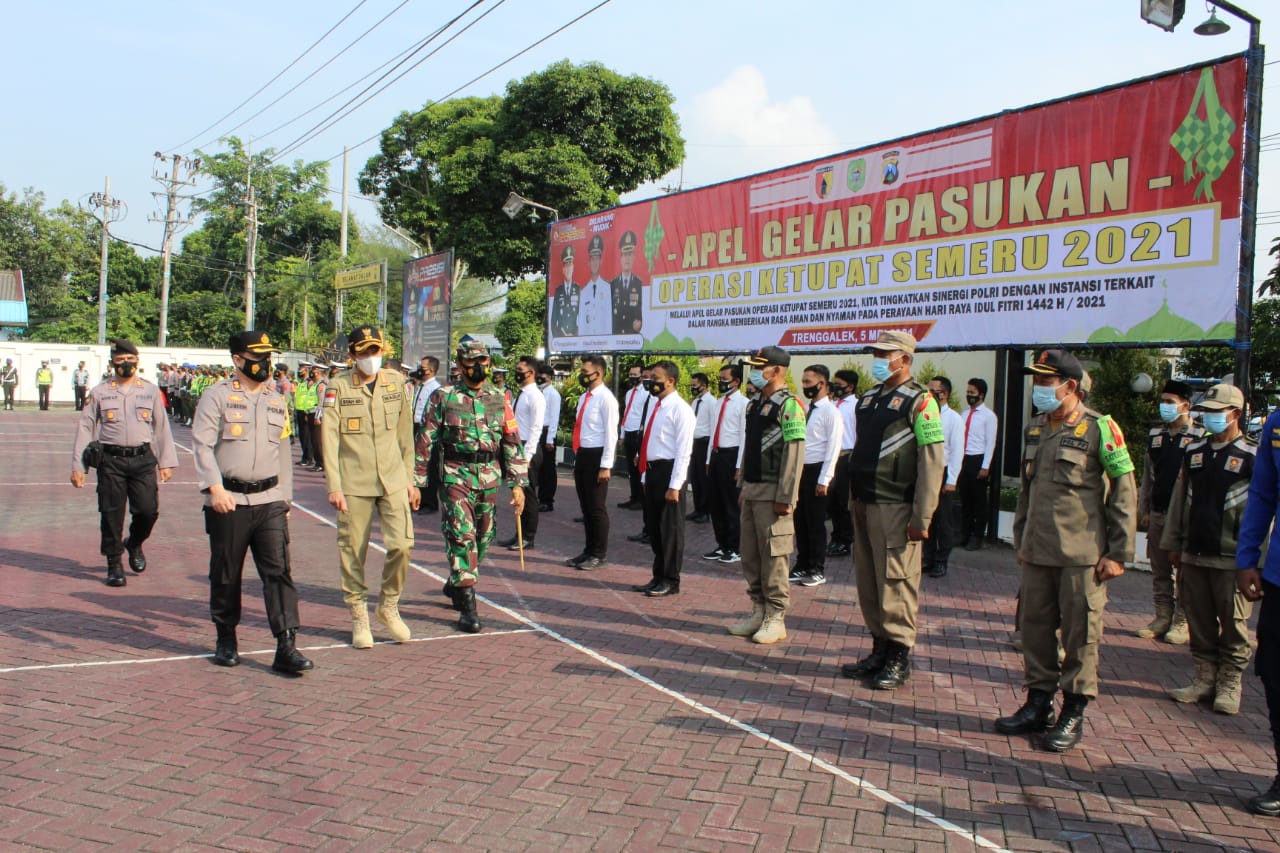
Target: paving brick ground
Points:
(585, 717)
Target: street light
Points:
(516, 203)
(1155, 11)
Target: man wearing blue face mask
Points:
(896, 471)
(1166, 445)
(1074, 529)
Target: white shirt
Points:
(953, 442)
(847, 406)
(425, 390)
(531, 413)
(595, 308)
(635, 413)
(982, 433)
(823, 434)
(599, 411)
(671, 437)
(552, 419)
(704, 413)
(732, 424)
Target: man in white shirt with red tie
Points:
(980, 426)
(665, 452)
(823, 436)
(635, 414)
(704, 414)
(844, 395)
(942, 530)
(595, 440)
(722, 465)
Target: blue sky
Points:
(93, 89)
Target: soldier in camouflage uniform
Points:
(476, 429)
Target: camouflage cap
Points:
(472, 349)
(1222, 396)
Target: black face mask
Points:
(972, 399)
(634, 381)
(725, 386)
(655, 387)
(811, 391)
(584, 380)
(697, 391)
(476, 372)
(839, 391)
(937, 395)
(258, 371)
(125, 369)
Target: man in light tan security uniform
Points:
(1074, 529)
(368, 452)
(896, 472)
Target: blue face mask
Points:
(1045, 398)
(1168, 412)
(756, 378)
(1214, 422)
(880, 369)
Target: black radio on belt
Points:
(125, 452)
(477, 458)
(249, 487)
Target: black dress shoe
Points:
(507, 543)
(115, 572)
(664, 589)
(646, 587)
(1268, 802)
(526, 545)
(578, 560)
(592, 564)
(546, 508)
(642, 538)
(137, 559)
(225, 653)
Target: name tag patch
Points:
(1076, 443)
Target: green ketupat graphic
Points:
(1205, 143)
(652, 237)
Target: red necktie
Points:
(967, 421)
(644, 443)
(577, 423)
(724, 404)
(631, 398)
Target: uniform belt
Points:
(249, 487)
(121, 450)
(477, 458)
(733, 450)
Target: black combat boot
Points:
(137, 559)
(450, 592)
(869, 666)
(288, 659)
(897, 668)
(226, 653)
(1268, 802)
(1070, 727)
(464, 599)
(115, 572)
(1035, 715)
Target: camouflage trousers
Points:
(467, 518)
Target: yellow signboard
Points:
(362, 276)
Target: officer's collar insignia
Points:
(1033, 431)
(1074, 418)
(113, 383)
(138, 382)
(1081, 430)
(391, 386)
(235, 383)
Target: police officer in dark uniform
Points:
(627, 291)
(126, 416)
(564, 302)
(240, 434)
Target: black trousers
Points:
(81, 392)
(664, 521)
(942, 531)
(811, 522)
(305, 421)
(631, 446)
(722, 488)
(529, 518)
(592, 499)
(973, 498)
(434, 489)
(1267, 660)
(44, 397)
(547, 481)
(263, 529)
(131, 480)
(838, 506)
(698, 477)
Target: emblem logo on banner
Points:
(891, 173)
(857, 175)
(822, 181)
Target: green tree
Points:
(572, 137)
(1113, 395)
(522, 329)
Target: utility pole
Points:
(109, 210)
(172, 222)
(250, 247)
(342, 235)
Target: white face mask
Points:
(369, 365)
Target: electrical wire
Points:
(299, 58)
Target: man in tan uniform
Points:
(896, 472)
(368, 452)
(1074, 529)
(126, 415)
(240, 435)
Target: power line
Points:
(327, 120)
(299, 58)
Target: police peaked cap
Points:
(122, 347)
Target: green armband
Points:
(1112, 451)
(927, 421)
(792, 420)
